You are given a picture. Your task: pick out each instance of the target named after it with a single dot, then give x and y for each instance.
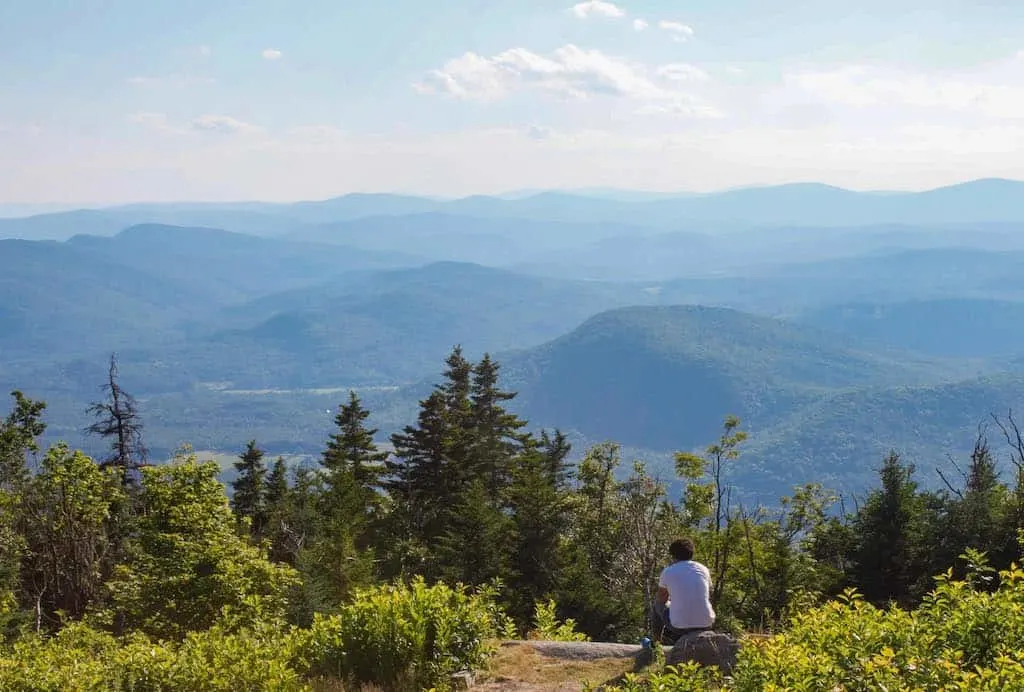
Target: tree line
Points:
(466, 494)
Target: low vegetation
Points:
(966, 635)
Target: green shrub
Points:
(689, 677)
(546, 625)
(403, 637)
(964, 636)
(80, 658)
(189, 562)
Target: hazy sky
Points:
(126, 100)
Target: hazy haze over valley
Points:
(832, 341)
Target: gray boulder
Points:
(582, 650)
(706, 648)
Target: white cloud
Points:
(272, 54)
(682, 72)
(679, 31)
(994, 91)
(598, 8)
(568, 73)
(204, 51)
(222, 124)
(639, 24)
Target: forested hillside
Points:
(833, 333)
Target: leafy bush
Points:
(397, 637)
(403, 637)
(689, 677)
(964, 636)
(546, 625)
(190, 563)
(82, 658)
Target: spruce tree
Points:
(474, 547)
(888, 559)
(338, 556)
(458, 420)
(276, 502)
(496, 434)
(478, 534)
(976, 515)
(420, 486)
(539, 502)
(249, 498)
(352, 450)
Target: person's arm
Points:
(662, 596)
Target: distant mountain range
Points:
(803, 204)
(835, 323)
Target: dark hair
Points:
(681, 549)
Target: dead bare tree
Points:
(119, 421)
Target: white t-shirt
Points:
(689, 590)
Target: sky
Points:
(110, 101)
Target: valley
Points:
(645, 322)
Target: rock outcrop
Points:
(706, 648)
(581, 650)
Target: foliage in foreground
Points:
(403, 637)
(396, 637)
(964, 636)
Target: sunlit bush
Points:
(82, 658)
(547, 626)
(404, 637)
(965, 636)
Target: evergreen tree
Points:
(301, 512)
(248, 500)
(276, 500)
(352, 451)
(119, 421)
(975, 516)
(888, 561)
(429, 472)
(422, 488)
(485, 448)
(338, 556)
(474, 547)
(539, 501)
(334, 559)
(458, 426)
(496, 439)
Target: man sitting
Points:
(683, 603)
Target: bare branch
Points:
(948, 484)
